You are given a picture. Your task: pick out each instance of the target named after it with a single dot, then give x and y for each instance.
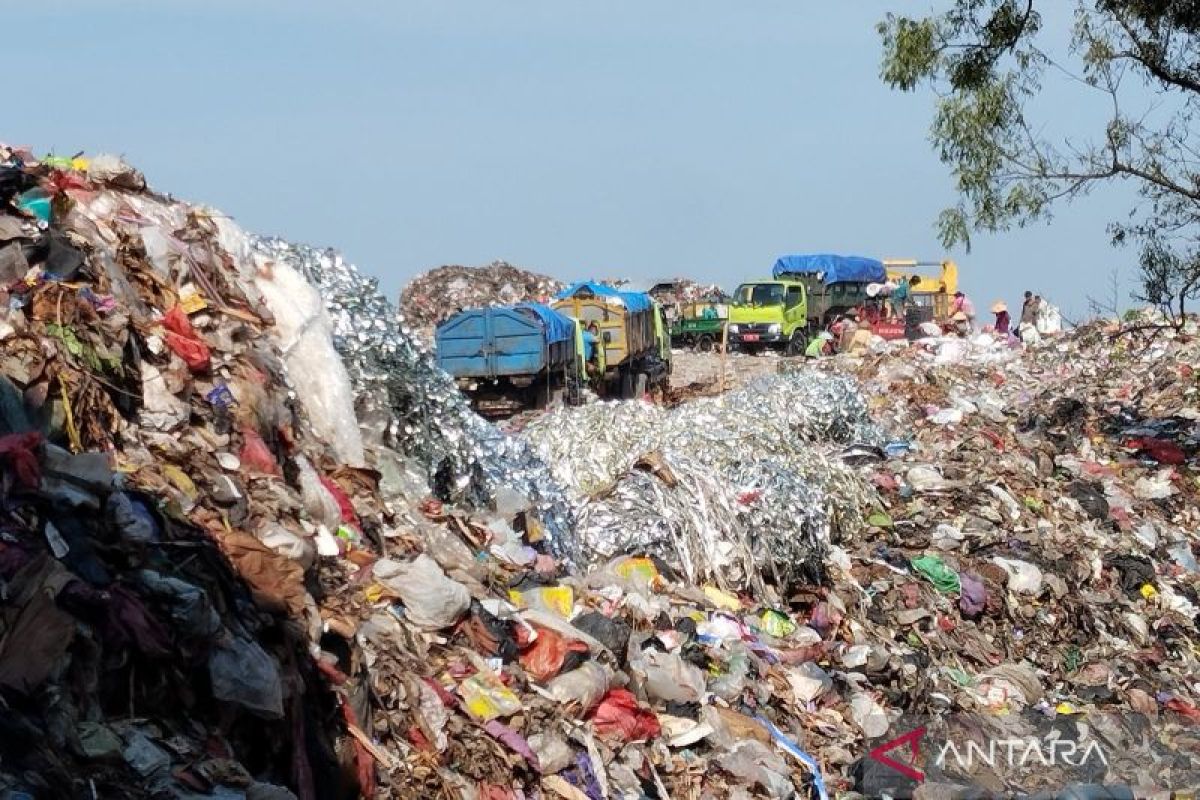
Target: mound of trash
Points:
(254, 546)
(434, 296)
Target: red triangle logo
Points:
(908, 770)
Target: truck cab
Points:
(771, 312)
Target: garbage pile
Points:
(680, 291)
(252, 547)
(720, 494)
(433, 296)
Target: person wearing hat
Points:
(963, 305)
(960, 323)
(1003, 322)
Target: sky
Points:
(583, 140)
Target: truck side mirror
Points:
(607, 337)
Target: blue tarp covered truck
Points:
(510, 357)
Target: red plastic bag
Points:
(343, 501)
(544, 658)
(185, 342)
(255, 455)
(619, 715)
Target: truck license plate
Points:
(751, 337)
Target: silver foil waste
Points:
(738, 490)
(415, 408)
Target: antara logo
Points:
(1011, 753)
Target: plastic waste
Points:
(926, 479)
(730, 684)
(668, 677)
(973, 599)
(808, 682)
(431, 600)
(619, 716)
(868, 715)
(947, 537)
(612, 632)
(317, 373)
(243, 673)
(584, 686)
(755, 764)
(1023, 577)
(558, 600)
(553, 753)
(790, 747)
(486, 697)
(321, 506)
(936, 572)
(546, 655)
(255, 455)
(1154, 487)
(947, 416)
(185, 342)
(777, 624)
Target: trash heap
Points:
(1034, 555)
(720, 494)
(253, 547)
(433, 296)
(685, 290)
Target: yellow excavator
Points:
(933, 290)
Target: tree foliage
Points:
(987, 60)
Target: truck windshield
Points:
(759, 294)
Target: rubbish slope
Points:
(254, 545)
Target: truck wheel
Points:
(626, 385)
(797, 344)
(704, 344)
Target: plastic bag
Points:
(936, 572)
(255, 455)
(754, 763)
(185, 342)
(808, 682)
(320, 504)
(558, 600)
(545, 656)
(243, 673)
(868, 715)
(618, 715)
(486, 697)
(730, 684)
(584, 686)
(1023, 577)
(670, 678)
(431, 600)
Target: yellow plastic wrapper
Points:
(641, 569)
(722, 599)
(776, 624)
(192, 302)
(486, 698)
(558, 600)
(1148, 591)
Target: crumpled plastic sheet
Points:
(758, 489)
(416, 408)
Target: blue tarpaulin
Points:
(836, 269)
(634, 301)
(559, 328)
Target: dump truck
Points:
(803, 296)
(510, 358)
(632, 330)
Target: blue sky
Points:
(638, 139)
